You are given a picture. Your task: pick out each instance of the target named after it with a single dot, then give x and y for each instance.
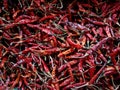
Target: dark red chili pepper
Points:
(46, 52)
(26, 21)
(70, 71)
(102, 56)
(3, 60)
(110, 70)
(66, 52)
(61, 68)
(16, 13)
(97, 46)
(16, 81)
(96, 22)
(46, 30)
(8, 26)
(45, 67)
(80, 85)
(5, 3)
(113, 54)
(65, 82)
(96, 75)
(107, 30)
(38, 2)
(94, 30)
(73, 44)
(91, 62)
(47, 17)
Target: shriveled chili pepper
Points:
(70, 71)
(46, 30)
(92, 65)
(102, 56)
(3, 60)
(73, 44)
(65, 52)
(16, 13)
(5, 3)
(96, 22)
(97, 46)
(80, 85)
(108, 70)
(47, 52)
(65, 82)
(107, 31)
(96, 75)
(47, 17)
(65, 65)
(45, 67)
(16, 81)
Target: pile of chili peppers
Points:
(59, 44)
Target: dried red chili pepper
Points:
(96, 75)
(66, 52)
(73, 44)
(65, 82)
(59, 44)
(97, 46)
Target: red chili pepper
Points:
(46, 52)
(1, 48)
(38, 2)
(91, 37)
(3, 60)
(20, 83)
(63, 17)
(96, 22)
(65, 82)
(45, 67)
(86, 5)
(95, 2)
(96, 75)
(102, 56)
(5, 3)
(57, 85)
(1, 21)
(94, 30)
(26, 31)
(46, 30)
(100, 32)
(97, 46)
(8, 26)
(16, 13)
(73, 44)
(80, 85)
(16, 81)
(47, 17)
(26, 21)
(110, 70)
(25, 81)
(108, 31)
(91, 62)
(61, 68)
(66, 52)
(113, 54)
(70, 71)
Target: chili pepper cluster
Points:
(60, 44)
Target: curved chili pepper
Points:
(96, 75)
(66, 52)
(65, 82)
(73, 44)
(97, 46)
